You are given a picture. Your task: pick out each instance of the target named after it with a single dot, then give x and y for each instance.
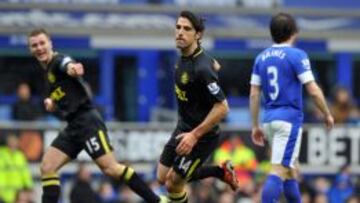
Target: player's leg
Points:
(291, 187)
(161, 173)
(175, 185)
(165, 174)
(62, 150)
(184, 168)
(97, 145)
(225, 172)
(284, 138)
(273, 185)
(167, 158)
(52, 161)
(110, 167)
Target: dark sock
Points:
(206, 172)
(51, 189)
(178, 197)
(130, 177)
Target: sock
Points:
(291, 191)
(272, 189)
(178, 197)
(138, 185)
(206, 172)
(51, 188)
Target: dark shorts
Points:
(86, 131)
(186, 165)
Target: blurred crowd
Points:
(343, 107)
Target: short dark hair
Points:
(196, 21)
(282, 27)
(38, 31)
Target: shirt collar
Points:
(281, 45)
(196, 53)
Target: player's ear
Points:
(28, 44)
(50, 44)
(198, 35)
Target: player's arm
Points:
(255, 94)
(220, 108)
(49, 104)
(71, 67)
(318, 97)
(217, 113)
(257, 134)
(303, 68)
(189, 139)
(75, 69)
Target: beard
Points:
(183, 46)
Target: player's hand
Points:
(329, 122)
(75, 69)
(187, 142)
(49, 105)
(257, 136)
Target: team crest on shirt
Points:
(51, 77)
(184, 78)
(306, 64)
(213, 88)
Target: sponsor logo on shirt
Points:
(181, 94)
(184, 78)
(213, 88)
(51, 77)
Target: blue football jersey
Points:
(280, 71)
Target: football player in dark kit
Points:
(69, 96)
(202, 105)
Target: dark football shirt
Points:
(71, 94)
(196, 88)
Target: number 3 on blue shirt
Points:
(273, 75)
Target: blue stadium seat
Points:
(5, 112)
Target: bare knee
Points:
(161, 180)
(47, 167)
(52, 161)
(162, 173)
(113, 170)
(293, 173)
(170, 186)
(174, 183)
(280, 170)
